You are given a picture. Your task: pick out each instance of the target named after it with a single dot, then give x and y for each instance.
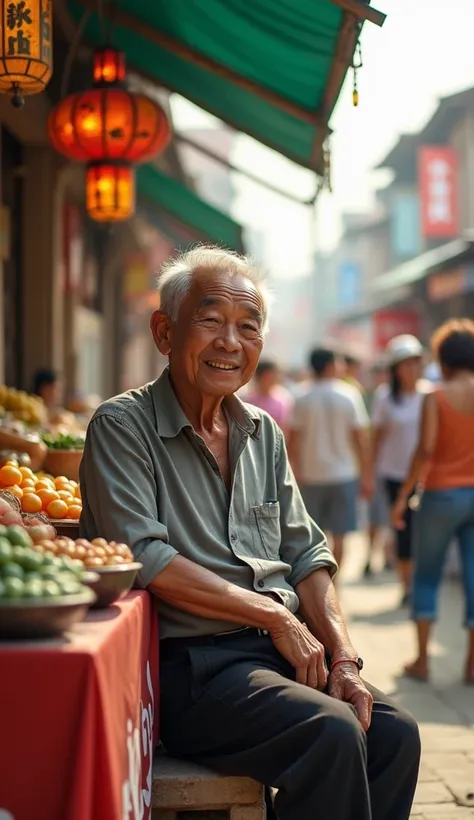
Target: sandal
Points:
(414, 672)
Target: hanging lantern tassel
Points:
(356, 64)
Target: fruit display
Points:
(13, 437)
(37, 526)
(29, 571)
(22, 406)
(93, 554)
(58, 498)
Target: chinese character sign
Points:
(26, 47)
(439, 192)
(390, 323)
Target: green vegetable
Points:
(70, 588)
(33, 589)
(12, 570)
(18, 536)
(29, 559)
(51, 589)
(60, 441)
(14, 587)
(33, 576)
(6, 551)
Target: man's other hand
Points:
(345, 684)
(305, 653)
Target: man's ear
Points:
(160, 327)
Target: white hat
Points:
(403, 347)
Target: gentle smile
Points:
(222, 365)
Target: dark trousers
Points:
(232, 704)
(403, 537)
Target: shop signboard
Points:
(405, 232)
(439, 191)
(454, 282)
(390, 323)
(355, 336)
(349, 284)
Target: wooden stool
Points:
(181, 788)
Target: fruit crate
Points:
(66, 528)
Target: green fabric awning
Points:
(204, 221)
(270, 68)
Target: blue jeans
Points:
(442, 516)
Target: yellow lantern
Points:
(26, 47)
(110, 191)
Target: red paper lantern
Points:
(109, 66)
(110, 192)
(110, 128)
(108, 123)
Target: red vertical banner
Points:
(390, 323)
(439, 191)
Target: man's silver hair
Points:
(177, 274)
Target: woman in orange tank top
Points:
(444, 464)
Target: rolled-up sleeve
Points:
(120, 495)
(303, 544)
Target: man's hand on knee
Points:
(305, 653)
(346, 684)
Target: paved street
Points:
(443, 707)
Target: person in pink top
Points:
(268, 394)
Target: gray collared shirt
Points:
(150, 481)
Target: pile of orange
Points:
(58, 497)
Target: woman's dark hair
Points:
(453, 344)
(395, 386)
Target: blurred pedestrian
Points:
(48, 385)
(395, 424)
(330, 448)
(378, 534)
(268, 393)
(352, 372)
(444, 461)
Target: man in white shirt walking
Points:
(330, 448)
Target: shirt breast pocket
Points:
(265, 523)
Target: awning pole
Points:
(258, 180)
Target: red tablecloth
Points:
(78, 719)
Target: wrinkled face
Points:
(409, 371)
(215, 343)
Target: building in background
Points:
(410, 265)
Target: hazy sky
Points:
(424, 51)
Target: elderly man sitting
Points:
(258, 674)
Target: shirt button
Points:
(233, 537)
(261, 583)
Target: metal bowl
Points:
(26, 619)
(112, 583)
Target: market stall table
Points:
(79, 722)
